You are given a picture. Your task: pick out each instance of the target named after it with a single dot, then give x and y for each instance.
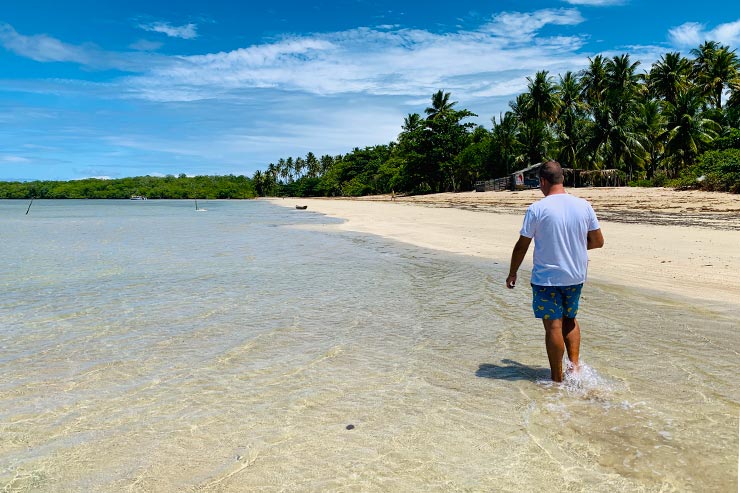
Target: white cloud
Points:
(692, 34)
(503, 88)
(372, 61)
(188, 31)
(728, 33)
(385, 61)
(14, 159)
(688, 34)
(145, 45)
(42, 48)
(153, 144)
(99, 177)
(319, 131)
(524, 25)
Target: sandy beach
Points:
(678, 243)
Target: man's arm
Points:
(517, 257)
(594, 239)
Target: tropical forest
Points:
(676, 123)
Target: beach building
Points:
(529, 177)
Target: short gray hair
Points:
(552, 172)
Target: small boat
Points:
(301, 207)
(138, 197)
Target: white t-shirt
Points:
(559, 224)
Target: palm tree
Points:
(624, 145)
(568, 91)
(716, 68)
(542, 103)
(413, 146)
(325, 164)
(533, 134)
(622, 83)
(259, 182)
(594, 92)
(446, 136)
(688, 130)
(618, 121)
(312, 165)
(412, 122)
(570, 119)
(704, 54)
(704, 57)
(593, 80)
(299, 165)
(504, 143)
(596, 131)
(650, 126)
(441, 105)
(290, 167)
(733, 105)
(272, 175)
(519, 107)
(670, 75)
(283, 169)
(535, 138)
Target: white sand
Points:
(698, 261)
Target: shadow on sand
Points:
(512, 370)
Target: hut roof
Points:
(529, 168)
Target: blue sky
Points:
(90, 89)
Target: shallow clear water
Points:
(145, 346)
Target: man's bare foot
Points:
(573, 369)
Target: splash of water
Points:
(585, 382)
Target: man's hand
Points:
(517, 256)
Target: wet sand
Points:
(677, 243)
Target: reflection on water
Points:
(145, 347)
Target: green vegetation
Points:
(670, 125)
(676, 124)
(168, 187)
(717, 171)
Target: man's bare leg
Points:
(572, 336)
(555, 347)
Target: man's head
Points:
(552, 173)
(551, 178)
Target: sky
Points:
(130, 88)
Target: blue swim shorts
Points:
(552, 302)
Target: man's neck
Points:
(555, 190)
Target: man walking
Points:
(563, 227)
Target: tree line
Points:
(152, 187)
(676, 123)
